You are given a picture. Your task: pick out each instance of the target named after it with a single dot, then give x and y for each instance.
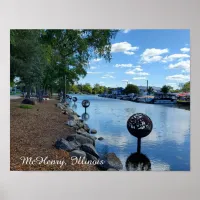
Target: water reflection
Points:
(168, 141)
(138, 162)
(74, 106)
(85, 116)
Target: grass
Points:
(26, 106)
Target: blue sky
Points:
(159, 56)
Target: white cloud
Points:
(93, 68)
(123, 65)
(127, 66)
(143, 74)
(101, 82)
(124, 80)
(124, 47)
(130, 72)
(97, 60)
(153, 55)
(107, 76)
(138, 71)
(139, 78)
(110, 72)
(185, 49)
(94, 72)
(185, 65)
(126, 30)
(174, 57)
(178, 77)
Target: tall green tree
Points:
(166, 89)
(186, 87)
(131, 88)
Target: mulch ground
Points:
(33, 133)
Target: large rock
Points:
(80, 139)
(85, 134)
(91, 157)
(86, 127)
(67, 145)
(71, 123)
(93, 131)
(111, 161)
(78, 154)
(79, 124)
(89, 148)
(28, 101)
(100, 138)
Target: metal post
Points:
(139, 145)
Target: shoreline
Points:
(33, 133)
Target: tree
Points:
(74, 88)
(186, 87)
(150, 90)
(87, 88)
(165, 89)
(75, 48)
(130, 88)
(55, 59)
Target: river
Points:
(166, 148)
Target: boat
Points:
(161, 98)
(183, 99)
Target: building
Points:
(143, 89)
(117, 91)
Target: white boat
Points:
(161, 98)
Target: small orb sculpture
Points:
(139, 125)
(67, 96)
(85, 103)
(74, 99)
(70, 98)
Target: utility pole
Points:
(147, 86)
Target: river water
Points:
(166, 148)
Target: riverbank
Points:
(33, 133)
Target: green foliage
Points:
(186, 87)
(130, 88)
(150, 90)
(52, 59)
(26, 106)
(166, 89)
(87, 88)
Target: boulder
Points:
(71, 123)
(114, 161)
(82, 131)
(89, 148)
(86, 127)
(91, 157)
(80, 139)
(80, 124)
(67, 145)
(111, 161)
(78, 154)
(93, 131)
(86, 134)
(100, 138)
(28, 101)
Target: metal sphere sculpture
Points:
(74, 99)
(70, 98)
(85, 103)
(139, 125)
